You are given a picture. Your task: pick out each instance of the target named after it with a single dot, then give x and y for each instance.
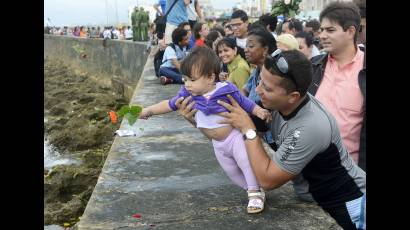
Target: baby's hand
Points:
(264, 114)
(223, 76)
(145, 114)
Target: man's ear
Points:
(294, 97)
(352, 31)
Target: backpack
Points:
(158, 59)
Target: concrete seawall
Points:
(111, 62)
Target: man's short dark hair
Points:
(178, 35)
(240, 14)
(307, 36)
(314, 24)
(269, 19)
(183, 24)
(345, 14)
(204, 59)
(220, 29)
(293, 23)
(299, 67)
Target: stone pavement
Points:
(168, 174)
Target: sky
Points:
(83, 12)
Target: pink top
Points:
(339, 92)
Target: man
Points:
(270, 22)
(173, 55)
(308, 147)
(306, 45)
(136, 33)
(292, 26)
(176, 16)
(128, 33)
(194, 12)
(187, 27)
(339, 77)
(239, 24)
(313, 27)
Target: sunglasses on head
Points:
(282, 65)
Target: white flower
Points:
(287, 2)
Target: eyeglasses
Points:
(282, 65)
(236, 25)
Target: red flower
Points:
(113, 117)
(137, 215)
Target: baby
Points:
(199, 70)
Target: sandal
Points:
(256, 201)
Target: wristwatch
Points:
(250, 134)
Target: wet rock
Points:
(76, 107)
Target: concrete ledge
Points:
(112, 62)
(168, 173)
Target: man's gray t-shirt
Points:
(308, 145)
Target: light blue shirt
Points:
(178, 13)
(170, 53)
(163, 4)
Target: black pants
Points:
(342, 217)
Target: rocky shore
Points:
(76, 124)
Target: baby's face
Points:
(198, 85)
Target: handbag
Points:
(161, 21)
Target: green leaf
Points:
(124, 109)
(291, 13)
(131, 119)
(135, 110)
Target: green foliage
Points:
(78, 49)
(290, 10)
(131, 113)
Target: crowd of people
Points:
(107, 32)
(298, 86)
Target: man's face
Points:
(332, 37)
(286, 30)
(188, 29)
(185, 41)
(307, 51)
(272, 95)
(239, 28)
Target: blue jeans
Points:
(172, 73)
(350, 215)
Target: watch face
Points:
(250, 134)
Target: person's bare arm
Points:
(176, 63)
(262, 113)
(159, 108)
(156, 7)
(198, 10)
(268, 174)
(187, 2)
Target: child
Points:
(199, 70)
